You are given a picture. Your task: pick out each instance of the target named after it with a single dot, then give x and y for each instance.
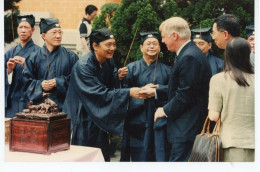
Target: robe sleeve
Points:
(33, 86)
(62, 82)
(7, 85)
(116, 81)
(127, 82)
(106, 107)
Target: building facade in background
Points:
(69, 13)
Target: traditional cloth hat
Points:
(101, 35)
(150, 34)
(202, 33)
(27, 18)
(250, 30)
(48, 24)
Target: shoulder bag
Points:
(207, 146)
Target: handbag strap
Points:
(206, 123)
(216, 128)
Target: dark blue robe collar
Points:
(28, 44)
(55, 51)
(144, 63)
(19, 50)
(95, 61)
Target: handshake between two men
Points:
(148, 91)
(145, 92)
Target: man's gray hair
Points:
(177, 25)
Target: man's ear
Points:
(175, 36)
(210, 45)
(226, 35)
(141, 46)
(95, 45)
(43, 36)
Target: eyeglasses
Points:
(54, 33)
(212, 34)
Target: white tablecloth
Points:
(74, 154)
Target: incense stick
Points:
(130, 47)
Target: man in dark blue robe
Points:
(15, 98)
(48, 70)
(202, 38)
(95, 106)
(144, 140)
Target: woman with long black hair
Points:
(231, 98)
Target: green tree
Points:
(148, 14)
(10, 20)
(107, 12)
(204, 12)
(199, 10)
(141, 15)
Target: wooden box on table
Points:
(39, 133)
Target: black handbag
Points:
(207, 146)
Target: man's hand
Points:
(48, 85)
(159, 114)
(148, 90)
(122, 72)
(20, 60)
(134, 92)
(11, 64)
(53, 82)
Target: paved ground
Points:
(116, 157)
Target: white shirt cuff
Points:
(10, 78)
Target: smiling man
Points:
(144, 140)
(48, 69)
(15, 98)
(95, 105)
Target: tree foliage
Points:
(10, 20)
(9, 4)
(148, 14)
(107, 13)
(141, 15)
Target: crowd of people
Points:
(156, 109)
